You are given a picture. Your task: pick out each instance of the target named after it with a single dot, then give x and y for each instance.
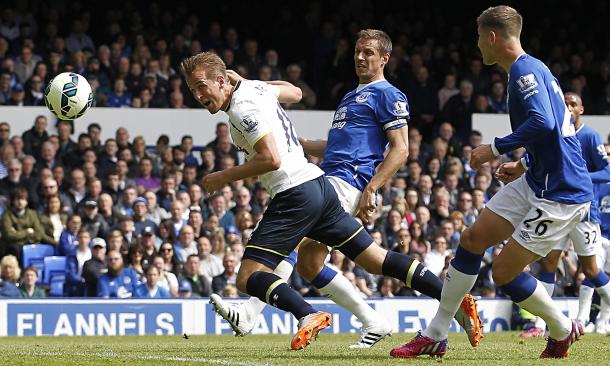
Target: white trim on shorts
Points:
(538, 222)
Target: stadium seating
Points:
(34, 255)
(55, 274)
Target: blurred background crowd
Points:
(136, 208)
(130, 50)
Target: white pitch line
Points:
(111, 354)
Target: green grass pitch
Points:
(329, 349)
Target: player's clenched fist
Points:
(367, 206)
(213, 182)
(481, 155)
(508, 172)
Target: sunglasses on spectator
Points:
(167, 250)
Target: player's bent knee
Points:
(501, 273)
(590, 271)
(309, 268)
(466, 240)
(311, 260)
(472, 241)
(547, 265)
(372, 259)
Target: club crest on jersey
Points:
(400, 108)
(527, 83)
(249, 123)
(362, 97)
(340, 114)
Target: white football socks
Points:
(550, 288)
(341, 291)
(541, 304)
(585, 296)
(604, 311)
(457, 285)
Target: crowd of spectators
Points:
(131, 54)
(137, 217)
(121, 210)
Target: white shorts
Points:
(349, 196)
(538, 223)
(586, 238)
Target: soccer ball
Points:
(68, 96)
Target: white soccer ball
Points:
(68, 96)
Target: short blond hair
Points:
(383, 40)
(210, 62)
(502, 19)
(11, 261)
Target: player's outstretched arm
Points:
(266, 159)
(288, 93)
(398, 153)
(313, 147)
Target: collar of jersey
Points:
(362, 86)
(517, 59)
(231, 96)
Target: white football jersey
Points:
(254, 112)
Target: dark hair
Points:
(149, 268)
(134, 248)
(169, 226)
(94, 125)
(19, 193)
(163, 139)
(178, 148)
(83, 135)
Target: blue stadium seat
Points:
(34, 255)
(55, 274)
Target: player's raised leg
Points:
(310, 265)
(359, 247)
(461, 276)
(415, 275)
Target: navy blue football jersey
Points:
(357, 138)
(542, 124)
